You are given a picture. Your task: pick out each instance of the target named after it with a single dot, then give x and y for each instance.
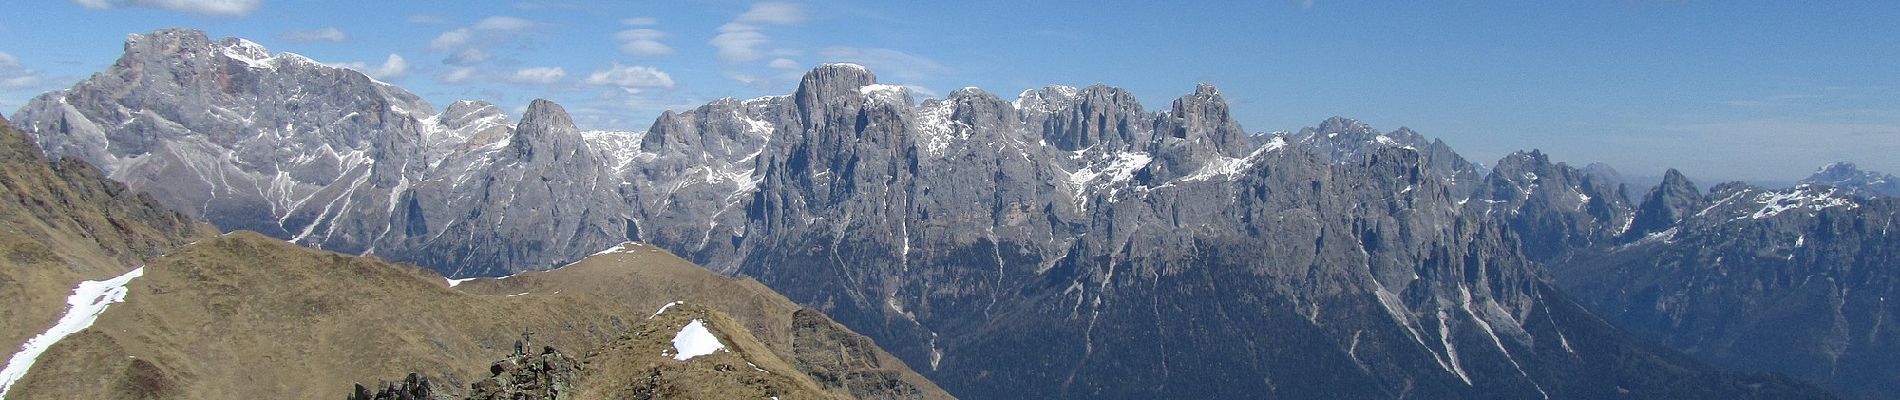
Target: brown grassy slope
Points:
(832, 354)
(247, 316)
(64, 222)
(640, 364)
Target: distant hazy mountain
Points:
(1845, 175)
(1793, 280)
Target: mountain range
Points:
(1067, 243)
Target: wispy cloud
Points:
(738, 41)
(538, 75)
(632, 78)
(325, 34)
(472, 44)
(642, 42)
(393, 68)
(12, 76)
(205, 7)
(427, 20)
(1769, 101)
(452, 39)
(503, 23)
(773, 13)
(887, 62)
(640, 21)
(456, 75)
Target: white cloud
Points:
(738, 41)
(206, 7)
(456, 75)
(739, 46)
(642, 42)
(12, 76)
(784, 63)
(538, 75)
(427, 20)
(897, 64)
(640, 21)
(326, 34)
(473, 44)
(631, 77)
(921, 92)
(393, 68)
(451, 40)
(501, 23)
(773, 13)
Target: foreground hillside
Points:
(62, 223)
(247, 316)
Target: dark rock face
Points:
(548, 375)
(1795, 281)
(541, 194)
(1558, 210)
(1134, 259)
(329, 158)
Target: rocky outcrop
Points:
(840, 360)
(525, 375)
(414, 387)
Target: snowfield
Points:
(694, 341)
(87, 301)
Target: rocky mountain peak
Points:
(1406, 134)
(1034, 105)
(462, 111)
(1666, 205)
(1343, 125)
(1098, 114)
(1205, 115)
(829, 83)
(545, 123)
(166, 41)
(545, 113)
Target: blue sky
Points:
(1753, 90)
